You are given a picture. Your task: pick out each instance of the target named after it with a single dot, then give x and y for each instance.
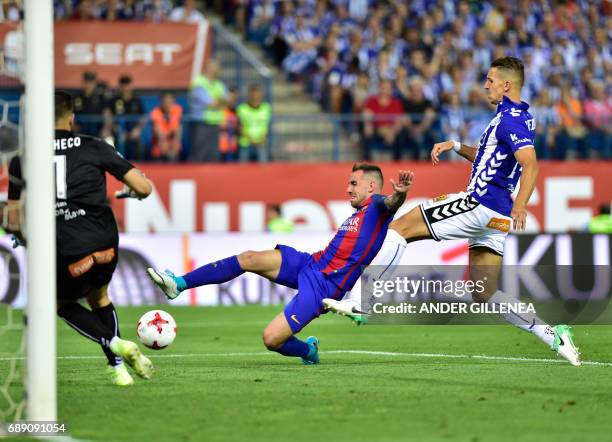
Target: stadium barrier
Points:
(182, 253)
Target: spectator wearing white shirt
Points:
(187, 13)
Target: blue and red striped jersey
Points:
(355, 245)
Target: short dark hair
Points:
(511, 64)
(64, 104)
(89, 76)
(370, 168)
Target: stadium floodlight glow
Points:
(40, 214)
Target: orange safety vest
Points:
(167, 124)
(228, 137)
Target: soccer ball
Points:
(156, 329)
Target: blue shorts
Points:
(296, 272)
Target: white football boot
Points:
(564, 344)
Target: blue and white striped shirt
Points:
(495, 171)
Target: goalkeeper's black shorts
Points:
(78, 275)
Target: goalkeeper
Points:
(87, 236)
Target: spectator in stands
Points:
(157, 10)
(302, 41)
(326, 61)
(228, 137)
(478, 115)
(421, 121)
(89, 106)
(383, 122)
(453, 120)
(494, 21)
(323, 17)
(482, 50)
(339, 80)
(62, 9)
(167, 130)
(601, 223)
(125, 119)
(254, 117)
(261, 20)
(105, 91)
(187, 13)
(360, 92)
(281, 25)
(206, 102)
(111, 10)
(572, 138)
(276, 223)
(11, 11)
(584, 82)
(14, 52)
(598, 113)
(547, 125)
(382, 69)
(131, 10)
(86, 10)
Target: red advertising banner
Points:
(156, 55)
(221, 197)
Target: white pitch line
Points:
(59, 438)
(459, 356)
(357, 352)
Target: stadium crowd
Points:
(398, 74)
(111, 10)
(433, 55)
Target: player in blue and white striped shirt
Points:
(483, 213)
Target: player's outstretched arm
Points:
(397, 198)
(467, 152)
(136, 185)
(528, 161)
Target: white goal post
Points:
(41, 385)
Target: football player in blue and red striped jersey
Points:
(329, 273)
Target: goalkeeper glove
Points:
(126, 192)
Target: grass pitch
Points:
(423, 383)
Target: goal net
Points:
(12, 333)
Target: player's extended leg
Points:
(278, 337)
(407, 228)
(266, 263)
(88, 324)
(104, 309)
(485, 265)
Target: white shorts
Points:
(459, 216)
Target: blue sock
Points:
(294, 347)
(214, 273)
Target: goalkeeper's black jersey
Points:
(85, 221)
